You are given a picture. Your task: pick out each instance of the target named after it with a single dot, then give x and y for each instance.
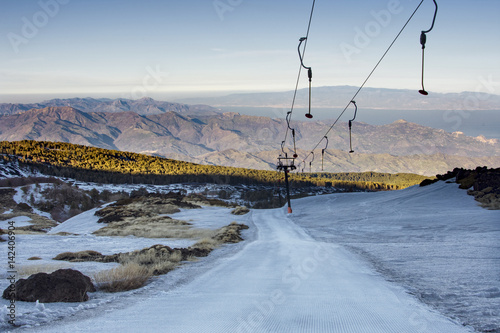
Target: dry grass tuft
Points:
(159, 260)
(87, 255)
(27, 270)
(161, 227)
(127, 277)
(206, 244)
(240, 210)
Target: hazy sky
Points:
(164, 49)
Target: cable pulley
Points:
(309, 74)
(423, 40)
(350, 125)
(323, 152)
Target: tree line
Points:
(91, 164)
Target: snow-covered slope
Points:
(295, 274)
(434, 240)
(339, 263)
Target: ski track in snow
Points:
(280, 280)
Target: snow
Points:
(84, 223)
(22, 197)
(416, 260)
(436, 241)
(19, 221)
(208, 217)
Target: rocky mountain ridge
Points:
(143, 106)
(372, 98)
(232, 139)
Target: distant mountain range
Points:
(372, 98)
(141, 106)
(232, 139)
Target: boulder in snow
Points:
(63, 285)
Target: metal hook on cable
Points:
(310, 163)
(323, 153)
(423, 40)
(309, 74)
(283, 148)
(350, 125)
(288, 115)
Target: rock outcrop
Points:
(63, 285)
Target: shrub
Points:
(206, 244)
(157, 259)
(127, 277)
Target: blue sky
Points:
(168, 49)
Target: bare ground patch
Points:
(146, 217)
(138, 266)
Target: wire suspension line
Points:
(366, 80)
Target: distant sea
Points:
(471, 123)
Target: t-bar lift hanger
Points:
(309, 74)
(323, 152)
(350, 125)
(423, 39)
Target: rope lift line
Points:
(289, 165)
(300, 69)
(323, 152)
(423, 39)
(350, 125)
(368, 77)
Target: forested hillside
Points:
(112, 166)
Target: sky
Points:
(191, 48)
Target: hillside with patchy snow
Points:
(423, 259)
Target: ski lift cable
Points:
(289, 114)
(368, 77)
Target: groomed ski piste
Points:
(423, 259)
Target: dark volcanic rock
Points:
(482, 183)
(63, 285)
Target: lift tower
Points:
(286, 164)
